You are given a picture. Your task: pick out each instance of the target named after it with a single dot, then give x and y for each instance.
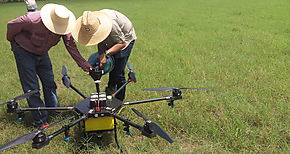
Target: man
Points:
(31, 36)
(115, 35)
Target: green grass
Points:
(238, 48)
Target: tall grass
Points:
(238, 48)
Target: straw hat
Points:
(57, 18)
(92, 28)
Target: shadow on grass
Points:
(89, 142)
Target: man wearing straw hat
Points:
(31, 36)
(115, 36)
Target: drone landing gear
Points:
(116, 136)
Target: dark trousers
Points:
(32, 67)
(117, 75)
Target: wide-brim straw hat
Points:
(92, 28)
(57, 18)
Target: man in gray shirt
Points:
(115, 36)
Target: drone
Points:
(98, 113)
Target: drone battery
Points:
(95, 97)
(99, 124)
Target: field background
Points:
(239, 48)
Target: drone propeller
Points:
(154, 127)
(30, 136)
(20, 97)
(131, 74)
(171, 88)
(20, 140)
(25, 95)
(65, 78)
(130, 67)
(64, 70)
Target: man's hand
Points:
(103, 60)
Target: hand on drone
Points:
(103, 60)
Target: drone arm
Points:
(20, 109)
(77, 91)
(148, 100)
(131, 78)
(128, 122)
(122, 87)
(144, 129)
(66, 127)
(176, 95)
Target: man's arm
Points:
(74, 52)
(118, 38)
(116, 48)
(15, 26)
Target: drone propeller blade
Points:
(65, 78)
(66, 81)
(159, 89)
(20, 140)
(192, 88)
(130, 67)
(171, 88)
(140, 114)
(20, 97)
(64, 70)
(25, 95)
(131, 74)
(159, 131)
(4, 103)
(27, 137)
(155, 128)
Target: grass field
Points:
(239, 48)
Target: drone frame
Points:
(87, 108)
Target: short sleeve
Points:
(116, 34)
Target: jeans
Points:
(32, 67)
(117, 75)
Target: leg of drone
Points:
(116, 136)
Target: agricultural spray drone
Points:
(98, 113)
